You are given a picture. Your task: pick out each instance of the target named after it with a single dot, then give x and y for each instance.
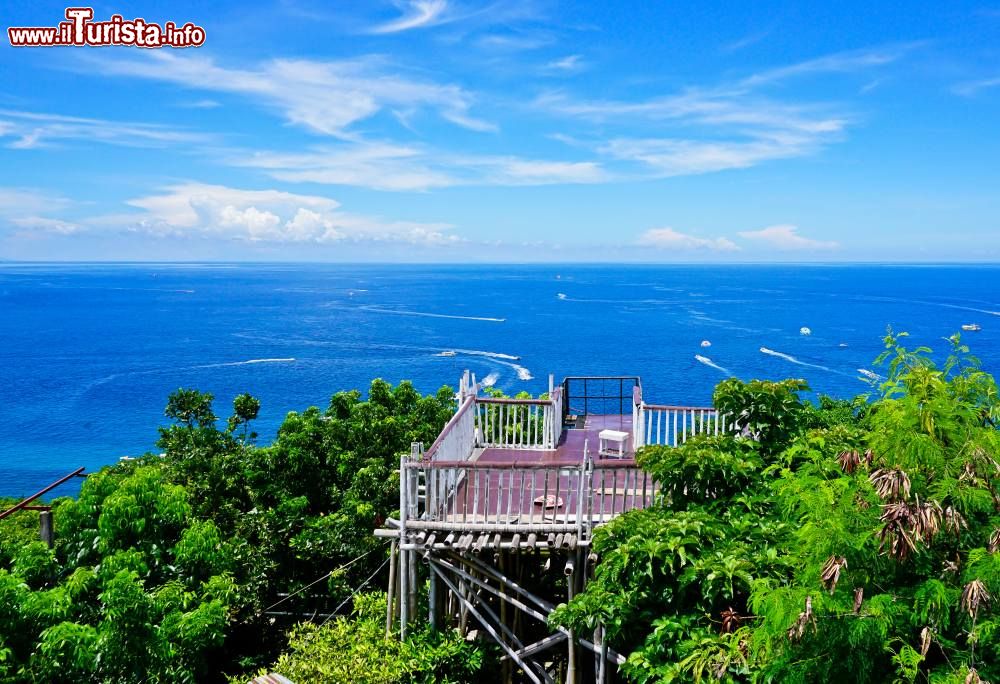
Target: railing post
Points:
(404, 507)
(45, 527)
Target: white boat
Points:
(706, 343)
(972, 327)
(561, 295)
(447, 353)
(842, 345)
(805, 331)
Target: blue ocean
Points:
(89, 353)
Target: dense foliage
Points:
(849, 541)
(357, 650)
(164, 567)
(836, 541)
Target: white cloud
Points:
(668, 238)
(970, 88)
(193, 209)
(388, 166)
(325, 97)
(29, 212)
(569, 63)
(46, 224)
(786, 237)
(416, 14)
(27, 201)
(730, 126)
(33, 129)
(712, 131)
(839, 62)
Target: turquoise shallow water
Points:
(89, 353)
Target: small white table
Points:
(611, 443)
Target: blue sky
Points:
(453, 130)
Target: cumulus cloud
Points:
(197, 209)
(786, 237)
(668, 238)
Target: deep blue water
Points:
(89, 353)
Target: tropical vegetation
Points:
(826, 540)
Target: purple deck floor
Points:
(570, 447)
(495, 494)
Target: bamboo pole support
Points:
(390, 600)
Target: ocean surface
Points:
(88, 353)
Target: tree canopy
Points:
(845, 541)
(836, 540)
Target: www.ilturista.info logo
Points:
(80, 29)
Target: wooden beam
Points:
(541, 645)
(488, 627)
(390, 600)
(543, 604)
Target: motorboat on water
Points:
(805, 331)
(706, 343)
(972, 327)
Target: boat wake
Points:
(522, 372)
(491, 379)
(711, 364)
(494, 357)
(241, 363)
(869, 376)
(173, 369)
(945, 305)
(489, 354)
(427, 314)
(792, 359)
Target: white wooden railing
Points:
(554, 414)
(514, 423)
(457, 440)
(538, 497)
(673, 425)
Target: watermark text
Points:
(80, 29)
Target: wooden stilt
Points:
(528, 671)
(45, 527)
(390, 599)
(571, 677)
(432, 601)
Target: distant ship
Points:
(447, 353)
(561, 296)
(842, 345)
(972, 327)
(706, 343)
(805, 331)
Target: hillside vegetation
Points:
(836, 541)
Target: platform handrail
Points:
(458, 437)
(542, 497)
(670, 425)
(25, 502)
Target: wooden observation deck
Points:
(508, 480)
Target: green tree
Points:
(849, 541)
